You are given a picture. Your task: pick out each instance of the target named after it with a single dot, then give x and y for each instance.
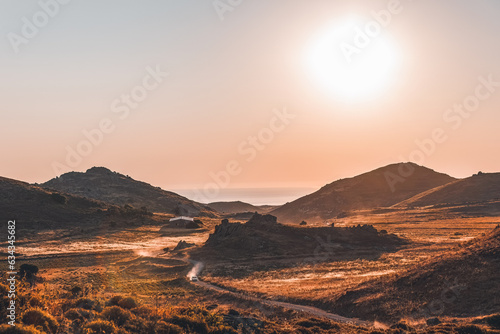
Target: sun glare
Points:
(350, 64)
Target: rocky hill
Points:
(102, 184)
(382, 187)
(263, 236)
(240, 207)
(482, 187)
(36, 208)
(461, 283)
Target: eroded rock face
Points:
(262, 235)
(182, 245)
(224, 230)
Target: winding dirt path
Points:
(301, 308)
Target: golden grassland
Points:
(82, 280)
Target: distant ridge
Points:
(238, 207)
(482, 187)
(102, 184)
(373, 189)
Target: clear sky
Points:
(262, 90)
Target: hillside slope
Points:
(102, 184)
(461, 283)
(366, 191)
(35, 207)
(483, 187)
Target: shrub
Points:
(402, 325)
(223, 330)
(117, 315)
(58, 198)
(28, 270)
(470, 329)
(127, 303)
(313, 322)
(76, 291)
(114, 300)
(145, 312)
(35, 301)
(493, 320)
(162, 327)
(38, 317)
(87, 304)
(18, 329)
(74, 315)
(99, 327)
(193, 323)
(79, 315)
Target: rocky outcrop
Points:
(182, 245)
(262, 235)
(102, 184)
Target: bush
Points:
(78, 315)
(87, 304)
(117, 315)
(38, 317)
(493, 320)
(114, 300)
(76, 291)
(470, 329)
(18, 329)
(58, 198)
(313, 322)
(127, 303)
(162, 327)
(145, 312)
(35, 301)
(194, 323)
(99, 327)
(28, 270)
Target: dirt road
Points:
(300, 308)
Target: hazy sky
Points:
(67, 71)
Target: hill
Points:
(36, 208)
(482, 187)
(460, 283)
(263, 237)
(382, 187)
(239, 207)
(104, 185)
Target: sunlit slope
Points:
(102, 184)
(482, 187)
(382, 187)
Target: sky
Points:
(209, 98)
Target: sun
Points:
(351, 64)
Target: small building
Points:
(181, 222)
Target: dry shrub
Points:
(195, 323)
(114, 300)
(99, 327)
(493, 320)
(37, 317)
(144, 311)
(18, 329)
(317, 323)
(36, 301)
(162, 327)
(470, 329)
(127, 303)
(117, 315)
